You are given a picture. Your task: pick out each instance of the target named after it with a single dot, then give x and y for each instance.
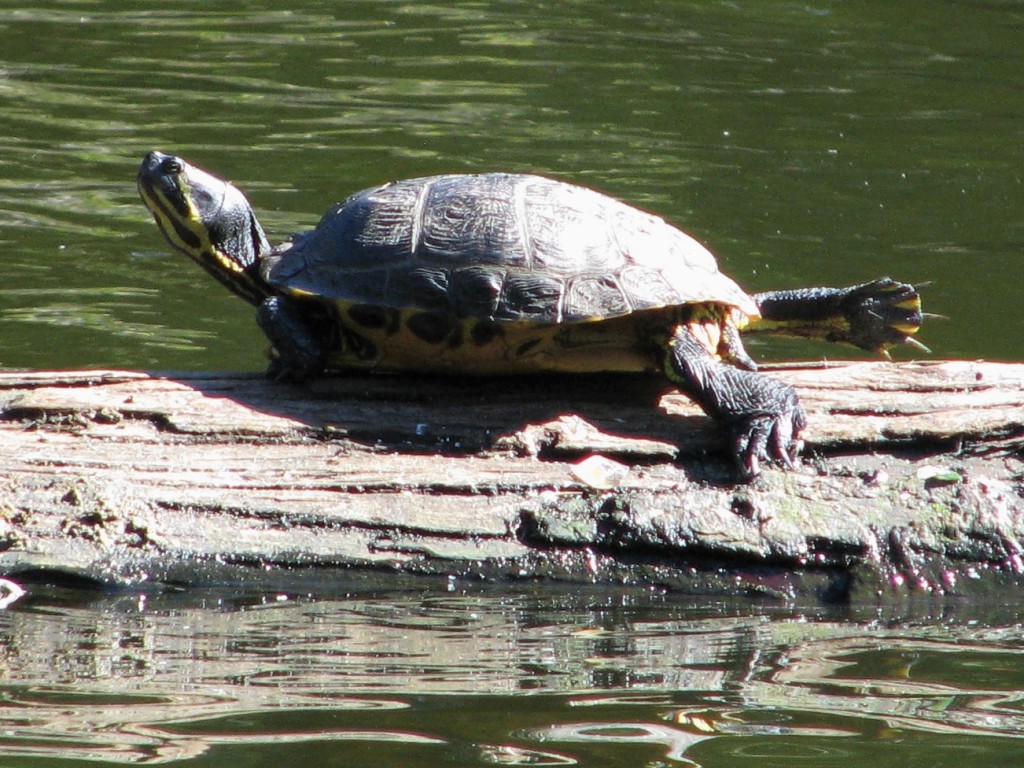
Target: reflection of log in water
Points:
(157, 680)
(914, 678)
(168, 677)
(912, 475)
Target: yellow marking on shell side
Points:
(576, 348)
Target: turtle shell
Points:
(501, 247)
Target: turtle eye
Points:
(171, 166)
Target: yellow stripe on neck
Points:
(202, 249)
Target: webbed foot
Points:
(873, 316)
(880, 314)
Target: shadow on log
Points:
(911, 480)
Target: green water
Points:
(825, 142)
(454, 678)
(804, 142)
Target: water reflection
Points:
(429, 679)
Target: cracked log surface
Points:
(912, 479)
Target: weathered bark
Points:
(912, 473)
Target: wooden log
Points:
(911, 477)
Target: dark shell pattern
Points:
(504, 247)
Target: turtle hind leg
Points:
(299, 350)
(873, 316)
(762, 416)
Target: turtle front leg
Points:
(299, 350)
(763, 416)
(873, 316)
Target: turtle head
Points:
(209, 220)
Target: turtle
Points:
(508, 273)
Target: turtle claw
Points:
(770, 437)
(910, 341)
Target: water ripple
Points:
(137, 681)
